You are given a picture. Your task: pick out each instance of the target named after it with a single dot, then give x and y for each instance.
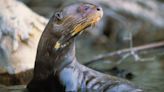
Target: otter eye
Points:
(59, 15)
(86, 8)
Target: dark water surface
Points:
(148, 75)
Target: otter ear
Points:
(59, 15)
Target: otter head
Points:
(74, 19)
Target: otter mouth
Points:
(76, 28)
(90, 21)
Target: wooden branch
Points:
(139, 48)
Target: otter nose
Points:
(98, 8)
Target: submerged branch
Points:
(127, 50)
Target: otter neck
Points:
(50, 59)
(65, 55)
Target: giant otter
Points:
(56, 67)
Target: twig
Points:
(139, 48)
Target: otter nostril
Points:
(98, 9)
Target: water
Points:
(148, 75)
